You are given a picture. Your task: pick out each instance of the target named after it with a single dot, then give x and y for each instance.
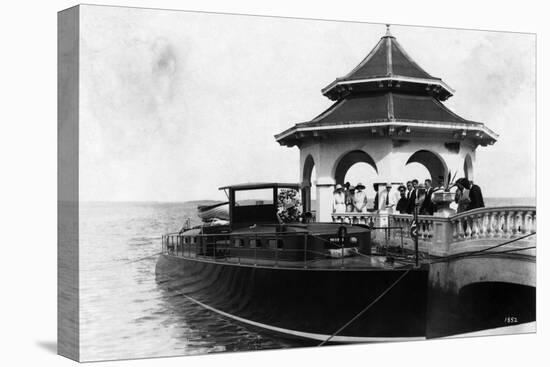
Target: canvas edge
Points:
(68, 315)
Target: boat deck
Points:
(357, 262)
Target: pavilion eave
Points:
(391, 128)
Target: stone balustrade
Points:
(497, 222)
(355, 218)
(482, 223)
(425, 225)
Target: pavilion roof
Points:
(387, 61)
(384, 109)
(389, 94)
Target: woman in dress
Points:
(339, 200)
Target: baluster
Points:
(454, 224)
(422, 226)
(475, 227)
(524, 223)
(490, 224)
(482, 220)
(468, 231)
(528, 221)
(505, 228)
(499, 229)
(461, 233)
(518, 222)
(512, 225)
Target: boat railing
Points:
(219, 248)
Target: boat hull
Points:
(305, 303)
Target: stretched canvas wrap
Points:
(237, 183)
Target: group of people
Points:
(353, 199)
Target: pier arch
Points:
(487, 305)
(433, 162)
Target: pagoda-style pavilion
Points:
(388, 112)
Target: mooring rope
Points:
(475, 253)
(365, 309)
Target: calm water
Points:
(125, 313)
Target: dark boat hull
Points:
(305, 303)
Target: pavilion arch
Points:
(432, 161)
(307, 183)
(348, 160)
(468, 167)
(309, 163)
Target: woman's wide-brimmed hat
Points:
(360, 186)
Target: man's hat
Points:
(359, 186)
(338, 187)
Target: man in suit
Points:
(387, 198)
(412, 196)
(403, 202)
(475, 195)
(409, 189)
(375, 186)
(428, 206)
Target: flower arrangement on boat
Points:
(289, 205)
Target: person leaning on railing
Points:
(468, 196)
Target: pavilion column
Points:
(325, 192)
(306, 195)
(390, 167)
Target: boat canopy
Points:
(262, 185)
(256, 203)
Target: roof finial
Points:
(388, 33)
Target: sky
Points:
(175, 104)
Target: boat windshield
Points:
(254, 197)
